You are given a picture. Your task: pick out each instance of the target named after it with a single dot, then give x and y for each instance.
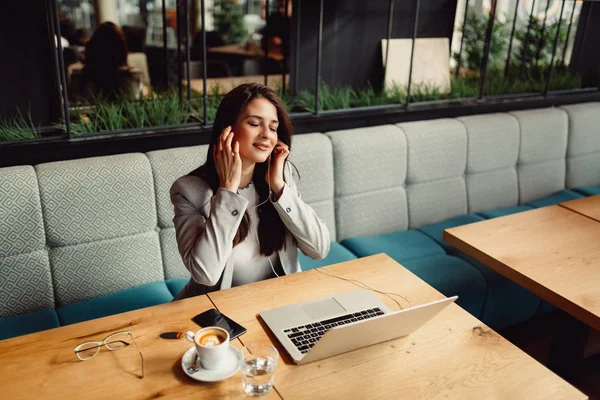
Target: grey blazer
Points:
(206, 223)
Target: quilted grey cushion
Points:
(25, 284)
(539, 180)
(437, 149)
(437, 159)
(492, 152)
(368, 159)
(21, 224)
(541, 164)
(370, 171)
(493, 142)
(375, 213)
(583, 150)
(95, 269)
(25, 281)
(167, 166)
(312, 155)
(492, 190)
(97, 198)
(433, 202)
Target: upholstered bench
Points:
(93, 237)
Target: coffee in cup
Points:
(210, 338)
(212, 345)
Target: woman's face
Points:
(256, 131)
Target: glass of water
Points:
(258, 363)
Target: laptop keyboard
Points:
(305, 336)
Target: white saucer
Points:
(230, 366)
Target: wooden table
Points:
(43, 366)
(446, 358)
(552, 251)
(588, 206)
(224, 85)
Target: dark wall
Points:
(585, 59)
(27, 71)
(352, 33)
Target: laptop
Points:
(348, 321)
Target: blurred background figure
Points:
(277, 29)
(105, 74)
(277, 32)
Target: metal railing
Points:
(184, 56)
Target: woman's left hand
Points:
(274, 174)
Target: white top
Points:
(250, 265)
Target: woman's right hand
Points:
(227, 161)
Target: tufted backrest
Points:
(541, 165)
(167, 166)
(369, 172)
(583, 149)
(25, 281)
(100, 220)
(492, 153)
(391, 178)
(313, 157)
(437, 157)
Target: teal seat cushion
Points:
(175, 285)
(142, 296)
(506, 303)
(588, 191)
(400, 246)
(452, 276)
(558, 197)
(436, 231)
(337, 254)
(501, 212)
(27, 323)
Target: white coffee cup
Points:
(212, 345)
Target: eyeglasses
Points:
(116, 341)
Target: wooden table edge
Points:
(565, 205)
(524, 281)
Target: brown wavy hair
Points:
(271, 230)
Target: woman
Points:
(238, 218)
(105, 74)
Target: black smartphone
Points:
(213, 317)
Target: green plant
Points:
(329, 99)
(347, 97)
(229, 21)
(536, 42)
(474, 35)
(18, 127)
(160, 109)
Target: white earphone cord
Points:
(354, 281)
